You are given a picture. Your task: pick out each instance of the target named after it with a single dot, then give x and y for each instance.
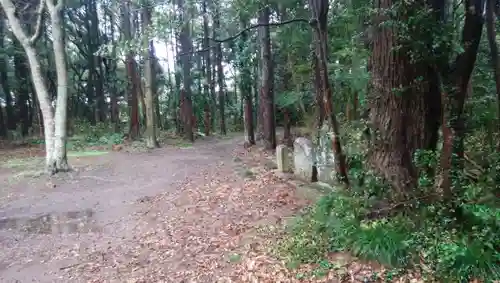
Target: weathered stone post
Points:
(303, 158)
(282, 158)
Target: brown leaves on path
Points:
(201, 233)
(217, 227)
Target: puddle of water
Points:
(53, 223)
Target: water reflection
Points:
(53, 223)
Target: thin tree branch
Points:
(256, 26)
(233, 37)
(39, 23)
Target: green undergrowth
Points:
(87, 136)
(446, 241)
(423, 241)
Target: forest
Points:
(406, 92)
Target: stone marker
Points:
(303, 158)
(282, 158)
(325, 160)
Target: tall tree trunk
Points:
(133, 103)
(410, 110)
(10, 121)
(220, 71)
(212, 85)
(208, 85)
(246, 85)
(157, 70)
(149, 76)
(267, 87)
(55, 11)
(172, 97)
(258, 105)
(287, 77)
(456, 80)
(142, 101)
(98, 76)
(495, 63)
(186, 47)
(23, 92)
(3, 127)
(319, 9)
(177, 78)
(91, 91)
(110, 68)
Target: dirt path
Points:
(172, 215)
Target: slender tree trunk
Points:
(156, 91)
(287, 135)
(246, 85)
(3, 128)
(21, 69)
(258, 105)
(267, 87)
(320, 12)
(495, 63)
(220, 72)
(456, 82)
(91, 91)
(9, 120)
(58, 42)
(110, 67)
(100, 109)
(208, 85)
(141, 95)
(149, 76)
(177, 78)
(213, 81)
(133, 102)
(186, 47)
(287, 77)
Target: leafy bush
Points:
(87, 135)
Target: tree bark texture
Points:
(495, 63)
(149, 76)
(267, 86)
(456, 80)
(61, 112)
(208, 84)
(404, 116)
(319, 10)
(220, 72)
(246, 85)
(186, 61)
(9, 121)
(133, 102)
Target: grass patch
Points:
(184, 144)
(86, 153)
